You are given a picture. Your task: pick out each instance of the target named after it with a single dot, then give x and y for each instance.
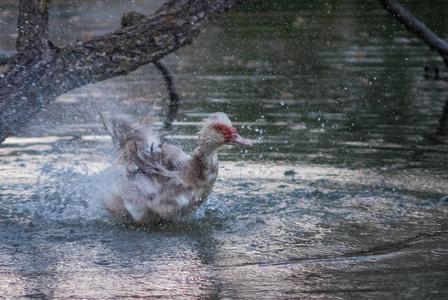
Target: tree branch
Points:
(173, 108)
(412, 24)
(38, 76)
(33, 28)
(133, 18)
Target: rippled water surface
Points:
(344, 194)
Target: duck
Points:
(158, 181)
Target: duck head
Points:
(217, 130)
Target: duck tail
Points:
(135, 142)
(120, 128)
(148, 120)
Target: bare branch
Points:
(132, 18)
(173, 108)
(33, 28)
(412, 24)
(41, 72)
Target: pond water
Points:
(344, 194)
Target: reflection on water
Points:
(343, 195)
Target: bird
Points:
(158, 181)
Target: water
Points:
(344, 195)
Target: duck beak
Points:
(238, 139)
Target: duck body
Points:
(158, 181)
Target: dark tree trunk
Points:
(40, 72)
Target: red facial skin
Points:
(227, 132)
(230, 135)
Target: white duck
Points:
(160, 181)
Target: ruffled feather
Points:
(160, 181)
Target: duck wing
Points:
(153, 185)
(140, 149)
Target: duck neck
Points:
(204, 165)
(207, 151)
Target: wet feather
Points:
(159, 181)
